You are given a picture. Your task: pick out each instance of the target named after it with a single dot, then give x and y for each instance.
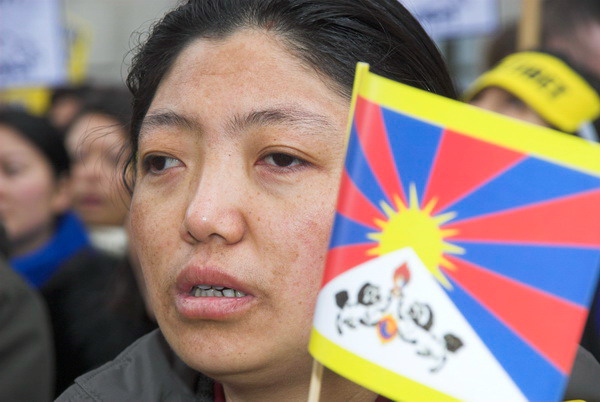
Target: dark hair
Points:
(560, 19)
(63, 92)
(113, 102)
(40, 133)
(330, 36)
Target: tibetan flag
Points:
(464, 254)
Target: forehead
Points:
(11, 141)
(250, 70)
(95, 130)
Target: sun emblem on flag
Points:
(416, 227)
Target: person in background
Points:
(50, 248)
(95, 141)
(26, 352)
(539, 87)
(35, 197)
(65, 103)
(568, 27)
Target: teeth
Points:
(215, 291)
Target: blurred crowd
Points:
(63, 207)
(71, 295)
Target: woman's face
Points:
(500, 101)
(95, 142)
(30, 196)
(239, 160)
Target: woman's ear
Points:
(62, 198)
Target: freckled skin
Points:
(267, 226)
(30, 196)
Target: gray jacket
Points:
(26, 350)
(148, 370)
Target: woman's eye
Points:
(12, 169)
(158, 164)
(283, 160)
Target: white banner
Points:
(445, 19)
(32, 45)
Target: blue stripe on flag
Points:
(548, 268)
(414, 144)
(360, 171)
(533, 374)
(531, 181)
(346, 231)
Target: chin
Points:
(228, 356)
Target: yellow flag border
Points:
(368, 374)
(538, 141)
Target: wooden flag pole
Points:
(530, 25)
(316, 377)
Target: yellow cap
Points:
(547, 85)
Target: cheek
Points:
(31, 206)
(154, 236)
(306, 243)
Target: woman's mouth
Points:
(215, 291)
(206, 293)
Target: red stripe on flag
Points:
(552, 326)
(344, 258)
(354, 205)
(373, 137)
(569, 221)
(462, 165)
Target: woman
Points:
(50, 248)
(95, 141)
(34, 197)
(542, 88)
(238, 131)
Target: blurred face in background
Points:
(500, 101)
(30, 195)
(95, 143)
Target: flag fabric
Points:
(464, 254)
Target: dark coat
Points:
(26, 353)
(89, 327)
(149, 370)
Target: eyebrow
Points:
(299, 118)
(167, 118)
(281, 115)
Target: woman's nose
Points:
(216, 212)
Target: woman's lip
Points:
(211, 308)
(194, 275)
(91, 200)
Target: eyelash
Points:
(296, 163)
(148, 160)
